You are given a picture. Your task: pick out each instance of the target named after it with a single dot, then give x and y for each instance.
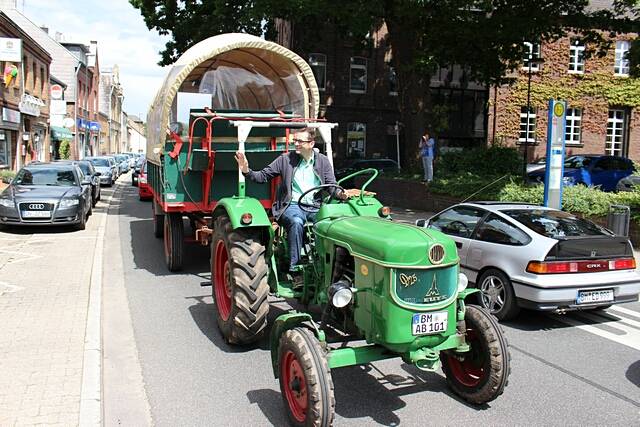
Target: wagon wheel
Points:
(158, 221)
(239, 275)
(173, 241)
(481, 374)
(305, 379)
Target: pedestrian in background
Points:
(427, 147)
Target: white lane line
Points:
(605, 319)
(630, 338)
(624, 310)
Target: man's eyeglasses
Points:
(303, 141)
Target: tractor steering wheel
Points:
(323, 195)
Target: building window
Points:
(572, 128)
(43, 82)
(532, 51)
(318, 63)
(356, 140)
(621, 67)
(615, 133)
(392, 77)
(5, 153)
(527, 125)
(576, 57)
(358, 75)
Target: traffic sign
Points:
(56, 91)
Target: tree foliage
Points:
(484, 36)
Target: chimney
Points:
(45, 29)
(58, 36)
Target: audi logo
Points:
(36, 206)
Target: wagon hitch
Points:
(203, 235)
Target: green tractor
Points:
(394, 285)
(373, 288)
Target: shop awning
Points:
(60, 133)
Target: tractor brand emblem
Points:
(593, 253)
(433, 294)
(408, 280)
(364, 270)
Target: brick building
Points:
(24, 99)
(602, 100)
(359, 90)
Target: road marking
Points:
(6, 288)
(24, 256)
(625, 311)
(629, 336)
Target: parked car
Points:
(107, 167)
(382, 165)
(144, 189)
(136, 170)
(123, 163)
(528, 256)
(591, 170)
(628, 183)
(89, 171)
(541, 163)
(47, 194)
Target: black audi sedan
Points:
(90, 172)
(47, 194)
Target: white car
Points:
(528, 256)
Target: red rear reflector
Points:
(592, 266)
(246, 218)
(384, 211)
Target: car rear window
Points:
(555, 224)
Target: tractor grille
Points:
(436, 253)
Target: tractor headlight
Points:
(340, 294)
(462, 282)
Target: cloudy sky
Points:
(122, 37)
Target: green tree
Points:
(483, 36)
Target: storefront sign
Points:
(82, 124)
(67, 122)
(56, 92)
(9, 115)
(30, 105)
(10, 50)
(94, 126)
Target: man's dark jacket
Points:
(285, 166)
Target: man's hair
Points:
(310, 131)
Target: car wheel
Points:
(496, 294)
(83, 222)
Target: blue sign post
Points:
(555, 154)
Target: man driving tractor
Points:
(301, 170)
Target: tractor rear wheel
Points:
(305, 379)
(173, 241)
(158, 220)
(239, 275)
(481, 374)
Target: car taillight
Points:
(591, 266)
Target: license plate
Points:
(429, 323)
(588, 297)
(36, 214)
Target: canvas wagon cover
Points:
(240, 71)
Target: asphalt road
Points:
(576, 369)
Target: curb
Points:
(91, 392)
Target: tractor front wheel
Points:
(239, 276)
(173, 241)
(305, 379)
(481, 374)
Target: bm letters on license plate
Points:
(589, 297)
(36, 214)
(429, 323)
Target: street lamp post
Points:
(525, 156)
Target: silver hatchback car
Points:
(528, 256)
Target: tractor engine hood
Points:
(390, 243)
